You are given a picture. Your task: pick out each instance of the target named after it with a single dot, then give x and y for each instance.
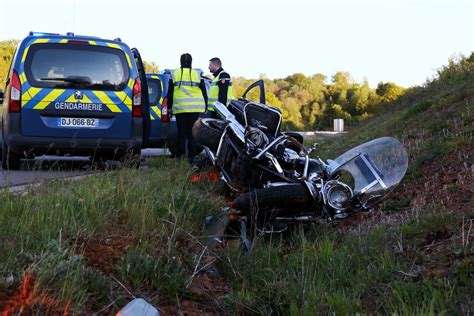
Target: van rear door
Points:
(76, 90)
(156, 94)
(145, 101)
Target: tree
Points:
(341, 84)
(151, 67)
(332, 112)
(388, 91)
(7, 49)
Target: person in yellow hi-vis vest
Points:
(221, 86)
(187, 99)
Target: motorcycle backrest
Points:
(267, 118)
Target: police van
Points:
(77, 95)
(163, 130)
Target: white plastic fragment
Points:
(138, 307)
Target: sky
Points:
(400, 41)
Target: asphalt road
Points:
(53, 167)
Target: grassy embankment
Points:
(89, 245)
(92, 241)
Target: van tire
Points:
(208, 132)
(10, 160)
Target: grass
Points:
(46, 229)
(313, 269)
(92, 245)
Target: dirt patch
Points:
(205, 292)
(445, 184)
(208, 289)
(187, 307)
(103, 253)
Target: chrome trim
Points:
(275, 163)
(305, 170)
(290, 155)
(273, 143)
(227, 182)
(218, 151)
(230, 119)
(313, 190)
(331, 184)
(275, 184)
(210, 155)
(301, 219)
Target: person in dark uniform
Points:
(221, 86)
(187, 99)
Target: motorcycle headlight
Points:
(338, 195)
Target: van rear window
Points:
(76, 67)
(154, 91)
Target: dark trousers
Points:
(185, 122)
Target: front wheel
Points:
(284, 197)
(208, 132)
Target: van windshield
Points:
(76, 66)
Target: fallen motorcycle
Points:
(274, 178)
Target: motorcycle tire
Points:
(208, 132)
(284, 197)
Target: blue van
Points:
(77, 95)
(163, 130)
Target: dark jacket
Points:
(223, 84)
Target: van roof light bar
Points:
(40, 33)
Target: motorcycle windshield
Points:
(376, 166)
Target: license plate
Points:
(78, 122)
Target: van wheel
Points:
(10, 160)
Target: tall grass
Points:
(313, 270)
(45, 229)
